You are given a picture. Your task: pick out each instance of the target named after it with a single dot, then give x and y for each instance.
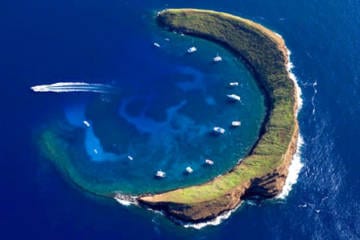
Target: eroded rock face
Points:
(271, 184)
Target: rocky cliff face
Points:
(271, 184)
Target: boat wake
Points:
(62, 87)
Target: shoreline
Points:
(179, 203)
(296, 165)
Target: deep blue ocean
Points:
(111, 42)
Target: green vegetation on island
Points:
(265, 54)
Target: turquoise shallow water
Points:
(163, 120)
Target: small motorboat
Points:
(233, 84)
(219, 130)
(86, 123)
(209, 162)
(192, 49)
(217, 58)
(156, 44)
(160, 174)
(189, 170)
(130, 158)
(235, 123)
(233, 97)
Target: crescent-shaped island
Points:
(263, 172)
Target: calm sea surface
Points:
(167, 101)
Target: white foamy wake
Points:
(125, 200)
(216, 221)
(294, 170)
(289, 67)
(60, 87)
(314, 85)
(296, 164)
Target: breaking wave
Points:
(314, 85)
(294, 170)
(126, 200)
(216, 221)
(296, 164)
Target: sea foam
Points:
(126, 200)
(216, 221)
(294, 170)
(296, 164)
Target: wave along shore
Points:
(296, 164)
(264, 171)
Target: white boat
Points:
(95, 151)
(219, 130)
(192, 49)
(233, 84)
(130, 158)
(233, 97)
(189, 170)
(156, 44)
(217, 58)
(209, 162)
(160, 174)
(86, 123)
(235, 123)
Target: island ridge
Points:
(263, 172)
